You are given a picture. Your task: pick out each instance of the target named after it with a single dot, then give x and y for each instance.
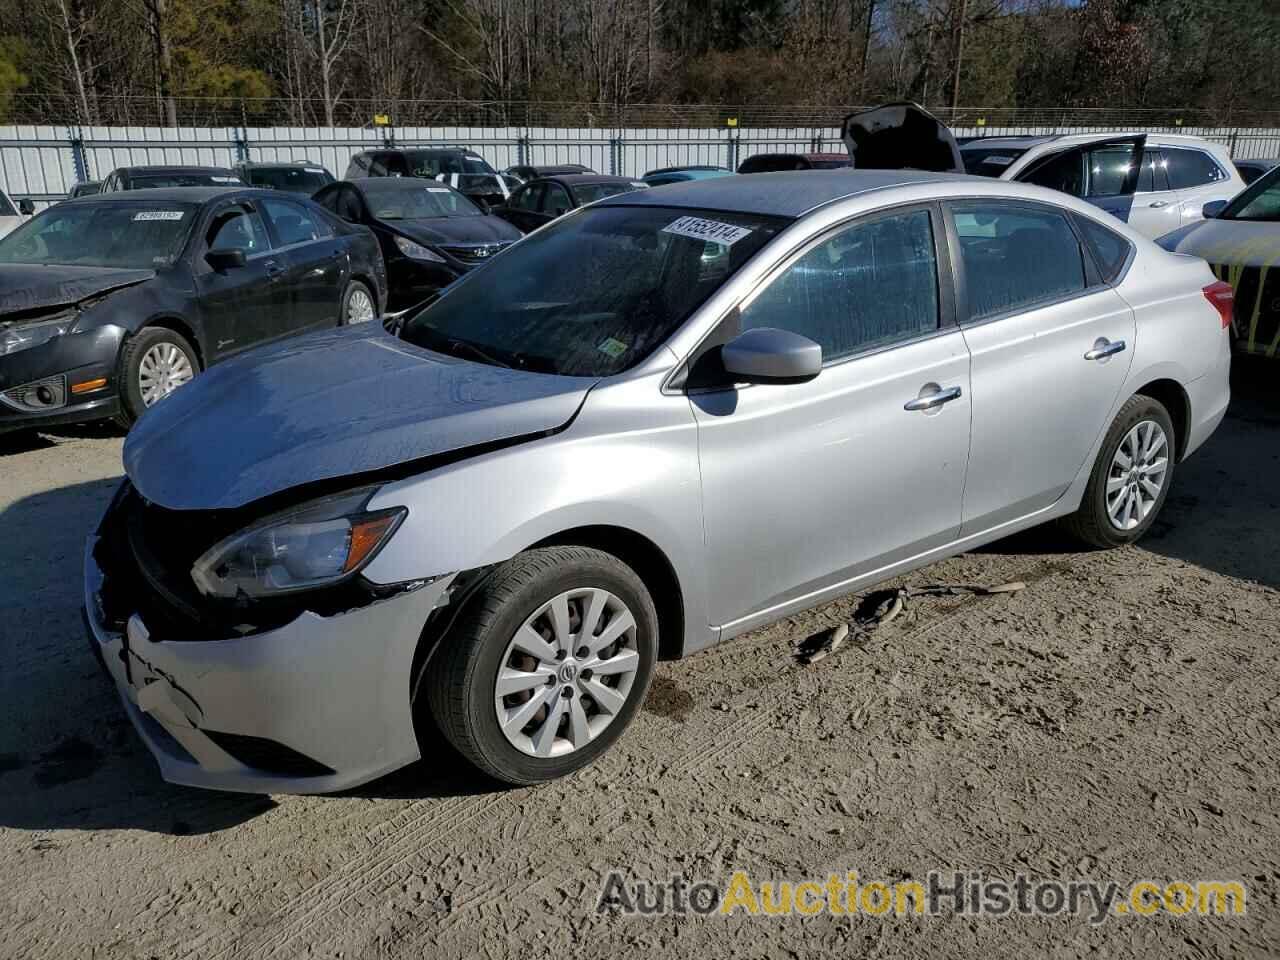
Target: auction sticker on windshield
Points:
(700, 229)
(159, 215)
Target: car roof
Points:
(981, 143)
(582, 179)
(176, 168)
(686, 167)
(200, 195)
(279, 163)
(789, 193)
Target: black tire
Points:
(354, 287)
(1091, 522)
(132, 406)
(460, 679)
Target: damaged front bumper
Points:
(317, 705)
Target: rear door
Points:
(1198, 178)
(241, 305)
(521, 210)
(1051, 344)
(1105, 172)
(315, 265)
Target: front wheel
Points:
(358, 305)
(155, 362)
(548, 666)
(1130, 478)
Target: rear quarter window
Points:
(1191, 168)
(1110, 250)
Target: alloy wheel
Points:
(567, 672)
(164, 368)
(359, 307)
(1137, 474)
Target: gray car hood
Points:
(30, 288)
(1246, 243)
(330, 405)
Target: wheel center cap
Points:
(568, 672)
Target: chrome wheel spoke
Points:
(517, 718)
(516, 681)
(560, 622)
(620, 624)
(530, 641)
(544, 737)
(624, 661)
(1152, 488)
(579, 726)
(609, 699)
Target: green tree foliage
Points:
(12, 79)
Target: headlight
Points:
(417, 251)
(23, 336)
(314, 545)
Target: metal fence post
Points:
(615, 155)
(242, 144)
(79, 159)
(522, 148)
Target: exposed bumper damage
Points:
(285, 710)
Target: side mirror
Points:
(225, 259)
(1213, 208)
(26, 207)
(769, 355)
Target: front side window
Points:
(1015, 256)
(1063, 172)
(526, 198)
(102, 234)
(869, 285)
(1191, 168)
(638, 273)
(238, 228)
(557, 200)
(293, 223)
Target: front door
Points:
(240, 304)
(807, 486)
(1104, 172)
(1051, 347)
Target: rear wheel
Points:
(358, 305)
(548, 665)
(155, 362)
(1130, 478)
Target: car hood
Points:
(456, 230)
(1241, 243)
(330, 405)
(898, 136)
(28, 288)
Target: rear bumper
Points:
(1209, 397)
(334, 691)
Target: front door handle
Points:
(1157, 204)
(274, 270)
(930, 400)
(1103, 348)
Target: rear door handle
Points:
(274, 270)
(931, 400)
(1103, 348)
(1158, 203)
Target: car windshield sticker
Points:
(225, 179)
(613, 348)
(438, 190)
(638, 183)
(999, 161)
(700, 229)
(159, 215)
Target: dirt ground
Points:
(1119, 719)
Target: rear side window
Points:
(1016, 256)
(1110, 250)
(870, 285)
(358, 167)
(1191, 168)
(294, 223)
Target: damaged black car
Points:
(110, 303)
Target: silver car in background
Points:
(666, 419)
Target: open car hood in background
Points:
(900, 136)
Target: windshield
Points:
(1261, 201)
(591, 192)
(989, 161)
(294, 179)
(638, 273)
(154, 181)
(427, 163)
(393, 199)
(102, 234)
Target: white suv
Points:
(1178, 176)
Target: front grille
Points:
(268, 756)
(475, 252)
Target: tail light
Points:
(1223, 298)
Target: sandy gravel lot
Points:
(1118, 719)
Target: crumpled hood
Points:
(448, 230)
(1243, 243)
(329, 405)
(31, 287)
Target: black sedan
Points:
(161, 177)
(541, 201)
(430, 234)
(111, 302)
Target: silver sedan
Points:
(664, 420)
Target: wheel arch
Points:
(1174, 398)
(179, 326)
